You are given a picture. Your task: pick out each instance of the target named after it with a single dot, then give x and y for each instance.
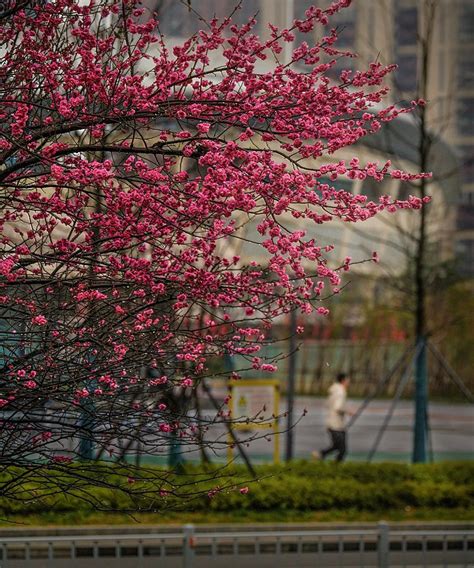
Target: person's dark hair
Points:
(341, 377)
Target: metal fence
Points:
(380, 546)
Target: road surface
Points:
(451, 425)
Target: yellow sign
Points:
(254, 405)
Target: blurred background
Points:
(375, 317)
(421, 292)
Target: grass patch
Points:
(52, 519)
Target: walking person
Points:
(336, 418)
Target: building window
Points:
(465, 257)
(373, 189)
(174, 18)
(299, 9)
(178, 20)
(465, 217)
(442, 71)
(345, 23)
(467, 164)
(466, 22)
(465, 70)
(467, 198)
(441, 23)
(406, 26)
(342, 64)
(248, 9)
(341, 184)
(466, 116)
(371, 27)
(405, 190)
(406, 76)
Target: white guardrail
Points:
(380, 546)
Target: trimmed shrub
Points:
(300, 486)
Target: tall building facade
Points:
(430, 38)
(434, 38)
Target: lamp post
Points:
(290, 394)
(421, 403)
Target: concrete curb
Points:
(234, 527)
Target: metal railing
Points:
(192, 548)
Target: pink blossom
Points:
(90, 295)
(203, 127)
(62, 459)
(133, 230)
(6, 266)
(22, 249)
(82, 393)
(158, 381)
(213, 492)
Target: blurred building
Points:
(395, 30)
(390, 31)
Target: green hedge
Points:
(300, 486)
(315, 487)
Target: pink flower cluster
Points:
(130, 185)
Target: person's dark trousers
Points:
(338, 444)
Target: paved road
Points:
(452, 432)
(452, 429)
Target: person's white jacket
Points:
(336, 406)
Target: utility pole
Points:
(424, 147)
(421, 403)
(290, 394)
